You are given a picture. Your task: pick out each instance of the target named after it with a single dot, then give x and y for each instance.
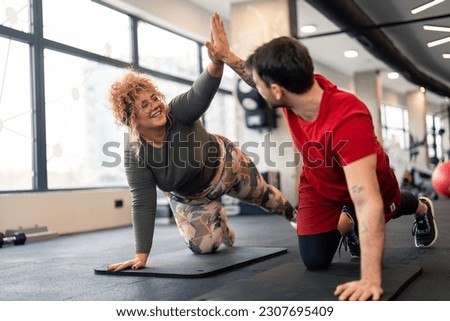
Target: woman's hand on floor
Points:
(138, 262)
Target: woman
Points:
(170, 149)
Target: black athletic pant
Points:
(317, 250)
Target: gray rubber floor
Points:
(63, 269)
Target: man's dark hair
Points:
(283, 61)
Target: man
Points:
(347, 189)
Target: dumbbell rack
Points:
(33, 234)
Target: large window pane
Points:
(222, 112)
(84, 145)
(15, 14)
(229, 76)
(395, 125)
(87, 25)
(15, 117)
(221, 116)
(170, 89)
(394, 117)
(167, 52)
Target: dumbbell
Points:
(16, 239)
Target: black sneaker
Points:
(424, 228)
(293, 221)
(290, 213)
(350, 240)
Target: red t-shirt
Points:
(342, 133)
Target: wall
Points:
(344, 82)
(67, 211)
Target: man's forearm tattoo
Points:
(239, 67)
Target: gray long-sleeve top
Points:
(184, 164)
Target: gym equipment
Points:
(16, 239)
(185, 264)
(292, 282)
(441, 179)
(257, 112)
(412, 177)
(34, 233)
(418, 181)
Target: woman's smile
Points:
(156, 113)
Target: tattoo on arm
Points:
(239, 67)
(357, 189)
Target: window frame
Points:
(37, 45)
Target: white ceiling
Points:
(328, 50)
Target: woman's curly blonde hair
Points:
(122, 97)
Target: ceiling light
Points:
(446, 56)
(436, 28)
(308, 28)
(393, 75)
(426, 6)
(438, 42)
(351, 53)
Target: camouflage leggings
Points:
(202, 219)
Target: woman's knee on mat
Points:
(206, 244)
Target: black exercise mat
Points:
(185, 264)
(292, 282)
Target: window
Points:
(170, 89)
(15, 14)
(394, 122)
(221, 116)
(89, 26)
(15, 116)
(79, 123)
(167, 52)
(56, 129)
(229, 76)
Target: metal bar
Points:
(38, 98)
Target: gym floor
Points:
(63, 269)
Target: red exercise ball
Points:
(441, 179)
